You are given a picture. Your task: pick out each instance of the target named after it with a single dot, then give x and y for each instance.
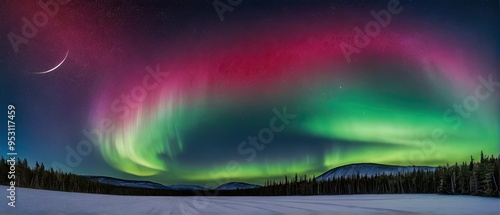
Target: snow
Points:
(31, 201)
(369, 169)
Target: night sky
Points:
(170, 92)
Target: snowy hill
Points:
(236, 186)
(186, 187)
(143, 184)
(153, 185)
(128, 183)
(369, 169)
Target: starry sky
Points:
(174, 92)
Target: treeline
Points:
(415, 182)
(475, 178)
(39, 177)
(481, 178)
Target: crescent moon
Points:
(58, 65)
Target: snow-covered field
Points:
(30, 201)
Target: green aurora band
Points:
(383, 109)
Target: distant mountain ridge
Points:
(127, 183)
(142, 184)
(370, 169)
(153, 185)
(187, 187)
(237, 186)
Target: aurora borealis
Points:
(185, 98)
